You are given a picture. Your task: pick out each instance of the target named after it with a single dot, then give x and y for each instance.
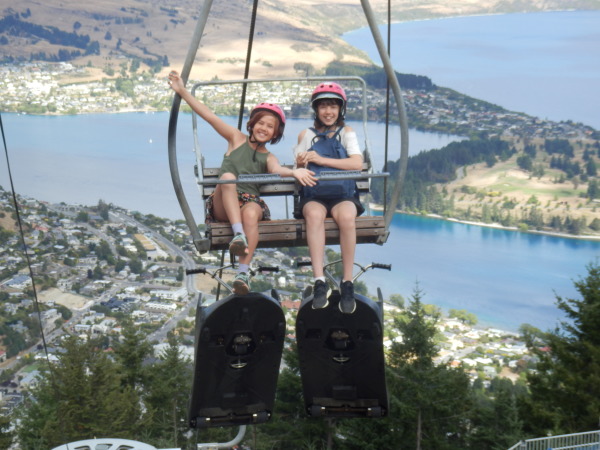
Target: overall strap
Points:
(325, 133)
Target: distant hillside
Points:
(531, 184)
(157, 33)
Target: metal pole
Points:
(235, 441)
(387, 65)
(201, 244)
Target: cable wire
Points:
(248, 60)
(30, 268)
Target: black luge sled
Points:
(238, 348)
(341, 359)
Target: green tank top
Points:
(245, 160)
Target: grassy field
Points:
(508, 186)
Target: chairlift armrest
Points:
(349, 175)
(260, 178)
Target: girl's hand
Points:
(313, 157)
(175, 82)
(300, 159)
(305, 177)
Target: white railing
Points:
(589, 440)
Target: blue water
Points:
(506, 278)
(543, 64)
(522, 62)
(122, 158)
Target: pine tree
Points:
(495, 422)
(130, 352)
(430, 402)
(77, 398)
(167, 397)
(565, 388)
(290, 427)
(6, 433)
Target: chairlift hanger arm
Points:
(395, 85)
(202, 244)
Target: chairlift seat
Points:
(290, 232)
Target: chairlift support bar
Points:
(202, 244)
(269, 178)
(199, 243)
(395, 85)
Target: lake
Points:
(522, 62)
(543, 64)
(122, 158)
(506, 278)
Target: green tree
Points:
(80, 397)
(130, 352)
(397, 300)
(289, 426)
(167, 396)
(6, 433)
(565, 387)
(525, 163)
(593, 190)
(495, 422)
(463, 315)
(430, 402)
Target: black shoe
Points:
(320, 295)
(347, 303)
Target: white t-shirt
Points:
(348, 138)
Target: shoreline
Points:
(460, 16)
(377, 207)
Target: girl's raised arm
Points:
(229, 132)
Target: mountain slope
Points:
(159, 32)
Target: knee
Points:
(251, 215)
(346, 221)
(313, 215)
(227, 187)
(227, 176)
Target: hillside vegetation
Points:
(542, 185)
(157, 33)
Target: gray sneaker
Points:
(241, 284)
(347, 302)
(320, 295)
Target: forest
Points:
(428, 171)
(115, 388)
(14, 26)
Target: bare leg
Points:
(314, 214)
(225, 201)
(344, 214)
(251, 213)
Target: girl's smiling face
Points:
(265, 128)
(328, 112)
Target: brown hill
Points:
(286, 32)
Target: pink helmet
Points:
(328, 89)
(271, 107)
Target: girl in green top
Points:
(240, 204)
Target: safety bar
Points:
(267, 178)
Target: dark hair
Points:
(254, 118)
(328, 101)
